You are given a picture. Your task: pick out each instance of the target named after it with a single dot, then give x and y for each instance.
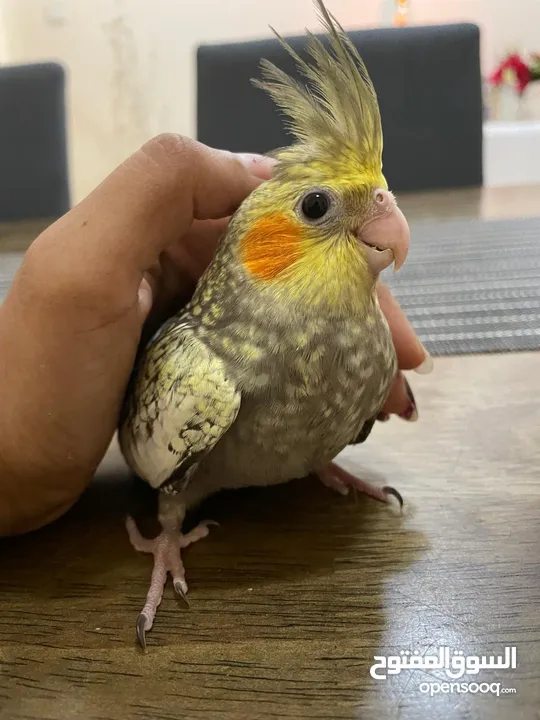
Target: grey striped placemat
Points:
(472, 286)
(468, 286)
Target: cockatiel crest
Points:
(336, 120)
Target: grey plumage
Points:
(283, 357)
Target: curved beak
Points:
(386, 235)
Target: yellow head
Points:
(326, 224)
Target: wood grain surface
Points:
(299, 588)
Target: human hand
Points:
(411, 355)
(114, 266)
(72, 320)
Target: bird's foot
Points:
(166, 549)
(340, 480)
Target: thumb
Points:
(148, 202)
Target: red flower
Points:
(521, 72)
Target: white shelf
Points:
(511, 153)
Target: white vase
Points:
(505, 104)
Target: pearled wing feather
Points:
(183, 404)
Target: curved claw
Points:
(141, 630)
(208, 523)
(179, 590)
(392, 491)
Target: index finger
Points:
(152, 199)
(410, 352)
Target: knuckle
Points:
(172, 163)
(39, 269)
(50, 275)
(168, 149)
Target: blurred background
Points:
(131, 64)
(84, 83)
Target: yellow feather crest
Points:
(336, 117)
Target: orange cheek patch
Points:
(271, 246)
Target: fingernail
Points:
(426, 366)
(411, 413)
(248, 158)
(259, 165)
(145, 297)
(251, 159)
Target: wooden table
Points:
(299, 589)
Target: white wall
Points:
(3, 48)
(131, 62)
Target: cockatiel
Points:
(282, 357)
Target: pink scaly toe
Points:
(166, 549)
(340, 480)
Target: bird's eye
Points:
(315, 205)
